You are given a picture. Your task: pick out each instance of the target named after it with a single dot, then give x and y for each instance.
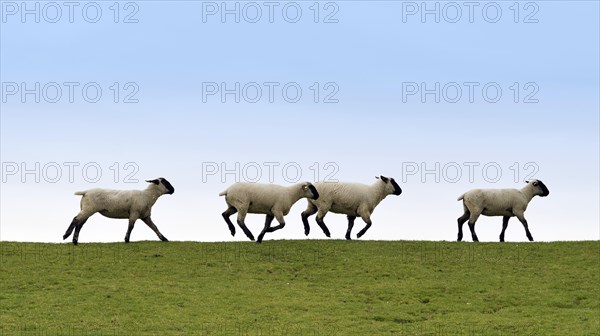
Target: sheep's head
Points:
(163, 184)
(539, 187)
(310, 191)
(391, 186)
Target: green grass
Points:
(311, 287)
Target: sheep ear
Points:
(377, 177)
(384, 179)
(156, 181)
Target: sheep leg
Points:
(230, 211)
(281, 221)
(504, 225)
(364, 230)
(267, 228)
(310, 210)
(320, 217)
(132, 220)
(461, 220)
(350, 226)
(472, 220)
(473, 235)
(77, 229)
(523, 221)
(240, 221)
(70, 228)
(151, 225)
(77, 224)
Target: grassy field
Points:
(311, 287)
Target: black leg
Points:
(268, 221)
(461, 220)
(70, 228)
(129, 229)
(277, 227)
(78, 227)
(504, 226)
(364, 230)
(323, 226)
(311, 210)
(366, 217)
(245, 229)
(524, 222)
(152, 226)
(350, 226)
(230, 211)
(472, 228)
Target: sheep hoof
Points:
(74, 242)
(164, 239)
(65, 236)
(347, 238)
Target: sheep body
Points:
(495, 202)
(499, 202)
(130, 204)
(351, 199)
(273, 200)
(261, 198)
(117, 203)
(348, 198)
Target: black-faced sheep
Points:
(272, 200)
(131, 204)
(499, 202)
(351, 199)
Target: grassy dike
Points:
(300, 287)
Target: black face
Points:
(167, 185)
(545, 191)
(313, 190)
(397, 189)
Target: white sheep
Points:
(499, 202)
(351, 199)
(131, 204)
(272, 200)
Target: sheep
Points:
(131, 204)
(272, 200)
(499, 202)
(351, 199)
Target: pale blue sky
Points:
(369, 53)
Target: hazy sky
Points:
(444, 98)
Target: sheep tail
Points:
(224, 193)
(460, 197)
(80, 193)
